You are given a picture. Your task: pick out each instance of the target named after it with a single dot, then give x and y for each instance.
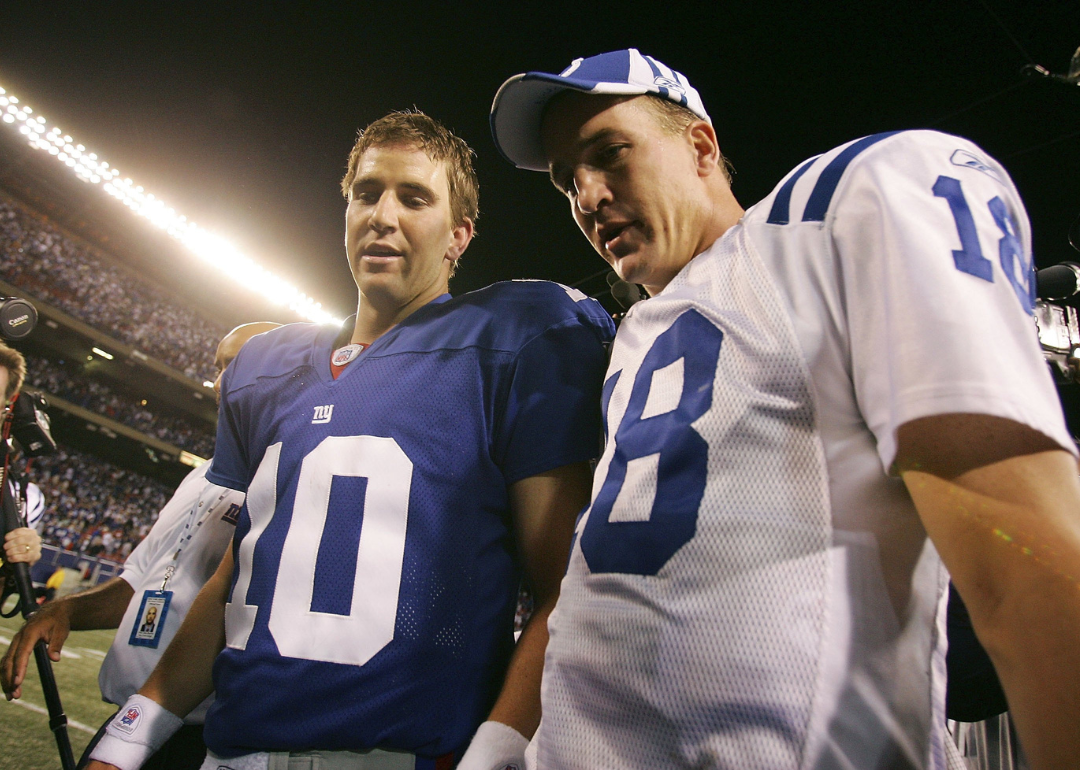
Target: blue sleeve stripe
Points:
(780, 214)
(821, 196)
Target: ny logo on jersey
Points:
(232, 515)
(322, 414)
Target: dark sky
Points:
(241, 115)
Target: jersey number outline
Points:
(298, 630)
(969, 257)
(688, 351)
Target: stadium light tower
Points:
(211, 248)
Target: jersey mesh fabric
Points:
(635, 663)
(443, 391)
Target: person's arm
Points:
(100, 607)
(545, 508)
(1001, 503)
(22, 545)
(183, 677)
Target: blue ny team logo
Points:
(636, 541)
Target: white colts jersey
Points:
(750, 588)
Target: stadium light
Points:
(211, 248)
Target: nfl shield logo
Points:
(130, 720)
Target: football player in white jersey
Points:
(822, 394)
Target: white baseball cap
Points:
(519, 104)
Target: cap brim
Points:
(519, 107)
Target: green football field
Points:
(25, 740)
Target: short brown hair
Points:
(674, 118)
(13, 361)
(412, 128)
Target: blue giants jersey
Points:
(376, 580)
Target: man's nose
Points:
(592, 190)
(384, 215)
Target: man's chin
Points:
(629, 268)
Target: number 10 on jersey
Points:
(298, 630)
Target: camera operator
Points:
(149, 599)
(22, 544)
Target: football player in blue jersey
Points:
(402, 474)
(821, 395)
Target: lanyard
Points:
(190, 528)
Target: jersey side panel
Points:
(676, 665)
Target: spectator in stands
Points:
(22, 544)
(171, 560)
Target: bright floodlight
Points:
(212, 249)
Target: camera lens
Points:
(17, 318)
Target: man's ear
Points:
(460, 238)
(702, 138)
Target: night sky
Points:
(241, 115)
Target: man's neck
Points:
(374, 320)
(725, 214)
(718, 219)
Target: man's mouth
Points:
(611, 235)
(380, 253)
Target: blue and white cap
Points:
(519, 105)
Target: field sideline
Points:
(24, 726)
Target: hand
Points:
(22, 545)
(51, 623)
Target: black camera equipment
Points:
(1057, 320)
(17, 318)
(30, 425)
(27, 420)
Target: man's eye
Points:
(365, 196)
(611, 152)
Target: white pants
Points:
(376, 759)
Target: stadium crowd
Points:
(64, 379)
(38, 258)
(93, 506)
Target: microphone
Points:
(1056, 282)
(625, 293)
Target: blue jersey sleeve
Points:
(229, 467)
(552, 409)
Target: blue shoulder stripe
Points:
(818, 203)
(780, 214)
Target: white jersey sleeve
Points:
(935, 251)
(35, 504)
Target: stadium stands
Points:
(38, 258)
(63, 379)
(94, 506)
